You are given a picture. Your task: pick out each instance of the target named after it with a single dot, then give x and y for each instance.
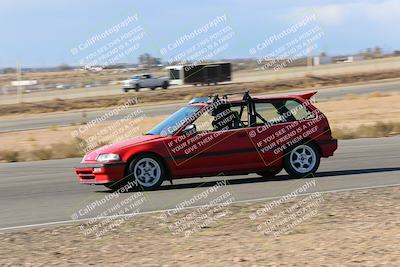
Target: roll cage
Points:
(247, 101)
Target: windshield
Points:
(175, 121)
(135, 78)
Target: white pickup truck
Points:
(144, 81)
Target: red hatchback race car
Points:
(218, 136)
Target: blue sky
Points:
(43, 32)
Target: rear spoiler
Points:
(307, 96)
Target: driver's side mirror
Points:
(190, 129)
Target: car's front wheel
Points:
(147, 171)
(137, 87)
(302, 160)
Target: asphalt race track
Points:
(40, 121)
(47, 192)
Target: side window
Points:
(173, 74)
(267, 113)
(298, 111)
(222, 118)
(241, 115)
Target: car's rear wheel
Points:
(125, 90)
(270, 173)
(302, 160)
(147, 171)
(165, 85)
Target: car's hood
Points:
(91, 156)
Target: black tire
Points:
(137, 87)
(153, 88)
(125, 90)
(304, 164)
(165, 85)
(153, 183)
(270, 173)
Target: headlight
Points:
(108, 157)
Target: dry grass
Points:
(31, 138)
(53, 128)
(361, 110)
(379, 129)
(42, 154)
(54, 151)
(63, 150)
(10, 156)
(351, 96)
(377, 94)
(367, 96)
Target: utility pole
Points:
(309, 57)
(309, 60)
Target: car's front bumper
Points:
(100, 173)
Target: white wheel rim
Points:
(147, 172)
(303, 159)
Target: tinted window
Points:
(174, 74)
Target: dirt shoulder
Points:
(357, 228)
